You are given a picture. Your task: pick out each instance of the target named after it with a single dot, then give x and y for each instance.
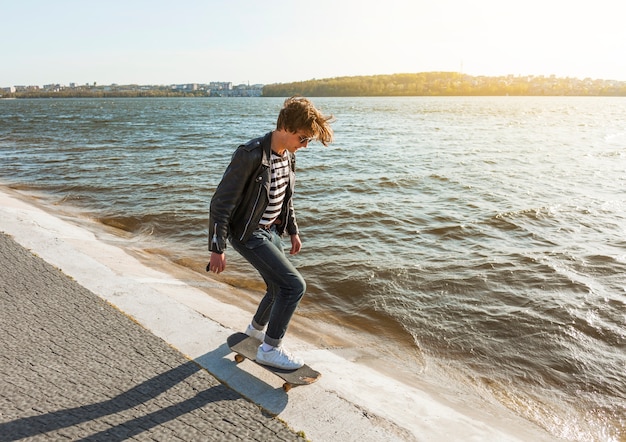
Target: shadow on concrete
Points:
(221, 364)
(142, 393)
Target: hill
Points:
(445, 84)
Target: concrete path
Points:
(74, 367)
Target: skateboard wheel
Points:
(239, 359)
(286, 386)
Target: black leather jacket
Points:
(241, 197)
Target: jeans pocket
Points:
(257, 239)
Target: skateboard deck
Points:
(245, 347)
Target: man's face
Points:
(299, 140)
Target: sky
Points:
(278, 41)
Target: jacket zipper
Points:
(256, 203)
(214, 240)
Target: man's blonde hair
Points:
(299, 114)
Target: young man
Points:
(252, 207)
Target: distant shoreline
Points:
(429, 84)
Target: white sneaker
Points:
(256, 334)
(278, 357)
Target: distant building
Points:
(226, 89)
(52, 87)
(221, 86)
(245, 90)
(26, 88)
(185, 87)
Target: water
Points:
(489, 234)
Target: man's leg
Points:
(285, 285)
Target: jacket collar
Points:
(266, 144)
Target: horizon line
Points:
(248, 83)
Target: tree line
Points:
(445, 84)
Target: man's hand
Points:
(296, 244)
(217, 263)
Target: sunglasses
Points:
(306, 139)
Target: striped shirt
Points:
(278, 187)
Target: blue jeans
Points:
(285, 285)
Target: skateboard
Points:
(245, 347)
